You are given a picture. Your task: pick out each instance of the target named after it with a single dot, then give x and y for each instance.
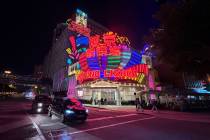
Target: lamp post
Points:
(7, 72)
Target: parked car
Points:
(68, 109)
(41, 104)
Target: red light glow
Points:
(130, 73)
(72, 40)
(72, 25)
(109, 39)
(101, 50)
(94, 41)
(114, 51)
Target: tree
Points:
(182, 38)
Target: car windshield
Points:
(73, 102)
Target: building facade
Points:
(92, 63)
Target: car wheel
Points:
(63, 119)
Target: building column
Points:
(118, 98)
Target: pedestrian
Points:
(141, 104)
(154, 105)
(102, 101)
(137, 101)
(105, 100)
(95, 101)
(91, 100)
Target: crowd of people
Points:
(140, 103)
(156, 102)
(103, 101)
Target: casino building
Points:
(90, 62)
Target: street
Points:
(103, 124)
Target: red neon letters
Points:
(114, 51)
(101, 50)
(72, 40)
(83, 62)
(94, 41)
(78, 28)
(109, 39)
(90, 53)
(130, 73)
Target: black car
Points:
(68, 109)
(41, 104)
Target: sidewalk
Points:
(184, 116)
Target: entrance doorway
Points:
(104, 96)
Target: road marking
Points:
(37, 128)
(104, 118)
(35, 125)
(102, 127)
(51, 124)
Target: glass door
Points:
(108, 96)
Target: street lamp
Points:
(7, 72)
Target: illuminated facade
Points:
(92, 63)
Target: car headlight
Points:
(39, 110)
(40, 104)
(69, 111)
(86, 110)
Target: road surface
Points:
(16, 122)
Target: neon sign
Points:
(82, 41)
(94, 41)
(109, 39)
(81, 18)
(78, 46)
(73, 26)
(122, 40)
(83, 62)
(106, 58)
(105, 52)
(130, 73)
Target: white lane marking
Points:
(35, 125)
(104, 118)
(37, 128)
(102, 127)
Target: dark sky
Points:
(26, 26)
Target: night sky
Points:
(27, 26)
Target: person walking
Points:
(154, 105)
(105, 100)
(136, 101)
(139, 103)
(102, 101)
